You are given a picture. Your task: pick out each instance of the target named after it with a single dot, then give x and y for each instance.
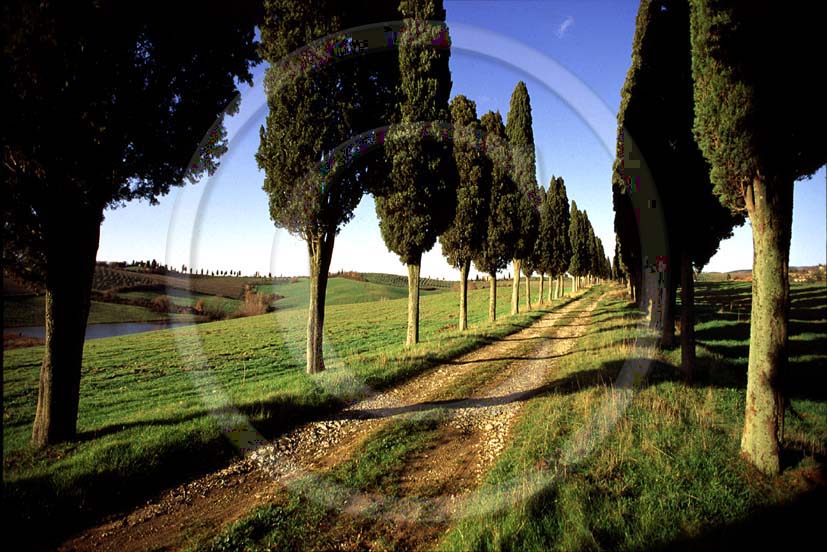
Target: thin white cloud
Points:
(564, 26)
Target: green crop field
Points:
(231, 287)
(143, 418)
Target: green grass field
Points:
(30, 311)
(145, 417)
(669, 473)
(183, 298)
(340, 291)
(666, 475)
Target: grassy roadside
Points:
(314, 513)
(144, 420)
(668, 474)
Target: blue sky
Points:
(573, 57)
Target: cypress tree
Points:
(579, 238)
(560, 218)
(310, 114)
(533, 259)
(520, 135)
(545, 238)
(756, 152)
(501, 230)
(465, 237)
(104, 102)
(657, 109)
(419, 201)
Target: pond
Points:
(96, 331)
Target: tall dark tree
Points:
(498, 245)
(105, 102)
(579, 239)
(533, 261)
(312, 191)
(560, 219)
(520, 135)
(419, 201)
(657, 109)
(592, 256)
(546, 235)
(464, 239)
(756, 152)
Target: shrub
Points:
(162, 303)
(254, 303)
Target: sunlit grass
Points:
(668, 472)
(145, 417)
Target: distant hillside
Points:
(232, 287)
(402, 281)
(797, 274)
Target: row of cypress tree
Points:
(469, 182)
(709, 106)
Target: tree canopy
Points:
(520, 135)
(419, 200)
(559, 220)
(760, 133)
(501, 230)
(106, 102)
(466, 235)
(579, 239)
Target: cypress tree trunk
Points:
(73, 246)
(528, 293)
(540, 296)
(463, 295)
(320, 251)
(492, 297)
(413, 302)
(687, 318)
(668, 333)
(515, 288)
(770, 211)
(552, 292)
(561, 289)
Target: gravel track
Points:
(197, 508)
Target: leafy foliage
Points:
(466, 235)
(106, 102)
(419, 200)
(741, 79)
(503, 200)
(314, 111)
(558, 220)
(578, 237)
(520, 135)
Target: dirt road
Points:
(468, 441)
